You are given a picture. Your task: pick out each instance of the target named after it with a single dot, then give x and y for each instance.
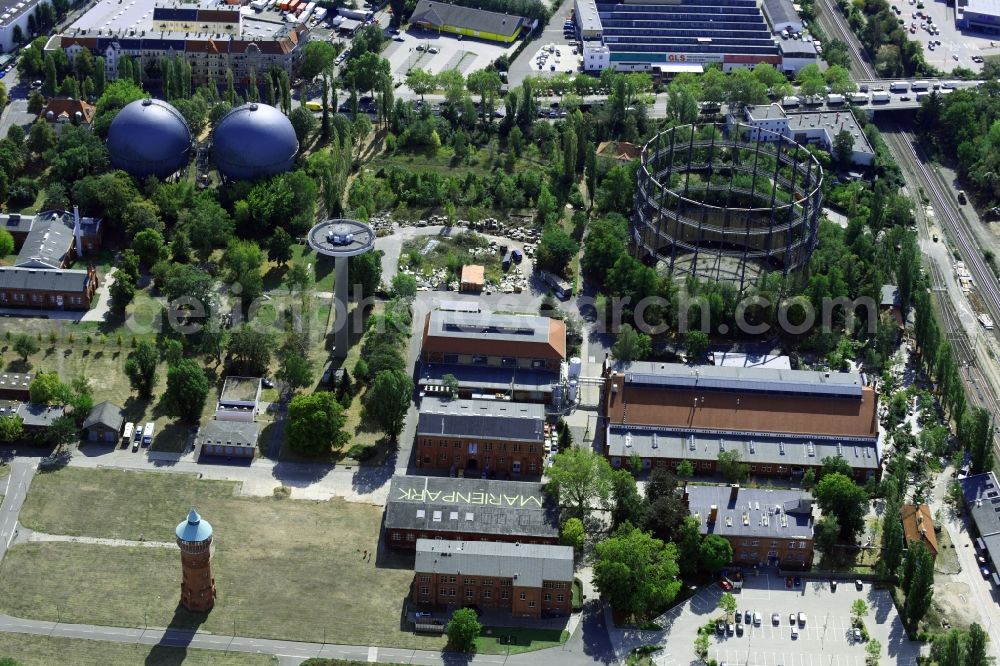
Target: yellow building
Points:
(469, 22)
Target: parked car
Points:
(730, 628)
(856, 635)
(795, 632)
(739, 629)
(720, 627)
(802, 619)
(858, 584)
(985, 570)
(748, 617)
(833, 586)
(756, 619)
(434, 50)
(775, 619)
(791, 618)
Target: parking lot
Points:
(957, 48)
(824, 639)
(465, 55)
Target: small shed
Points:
(473, 278)
(104, 423)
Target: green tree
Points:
(732, 467)
(859, 610)
(249, 350)
(463, 630)
(243, 261)
(808, 479)
(836, 465)
(874, 650)
(976, 653)
(581, 478)
(839, 496)
(315, 423)
(24, 346)
(975, 434)
(304, 123)
(404, 287)
(187, 390)
(366, 271)
(688, 540)
(556, 249)
(920, 589)
(685, 469)
(295, 370)
(140, 368)
(46, 388)
(279, 246)
(63, 431)
(827, 533)
(149, 245)
(631, 345)
(892, 538)
(317, 57)
(41, 137)
(388, 400)
(715, 552)
(11, 429)
(420, 81)
(843, 148)
(636, 573)
(571, 534)
(122, 291)
(626, 502)
(727, 602)
(696, 344)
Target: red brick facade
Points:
(407, 539)
(708, 468)
(475, 455)
(791, 553)
(51, 300)
(553, 598)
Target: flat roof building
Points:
(15, 14)
(781, 15)
(980, 16)
(982, 498)
(820, 127)
(667, 37)
(426, 507)
(764, 526)
(781, 421)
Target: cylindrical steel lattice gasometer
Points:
(726, 203)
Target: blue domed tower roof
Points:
(254, 141)
(149, 137)
(194, 529)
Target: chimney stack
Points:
(713, 513)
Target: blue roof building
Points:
(254, 141)
(149, 137)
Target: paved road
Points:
(21, 473)
(585, 646)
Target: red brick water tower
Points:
(194, 536)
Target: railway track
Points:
(836, 27)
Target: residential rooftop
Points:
(982, 496)
(484, 506)
(479, 20)
(751, 512)
(528, 565)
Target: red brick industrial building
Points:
(781, 422)
(528, 579)
(481, 436)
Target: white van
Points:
(127, 435)
(147, 433)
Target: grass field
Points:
(284, 568)
(515, 641)
(49, 651)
